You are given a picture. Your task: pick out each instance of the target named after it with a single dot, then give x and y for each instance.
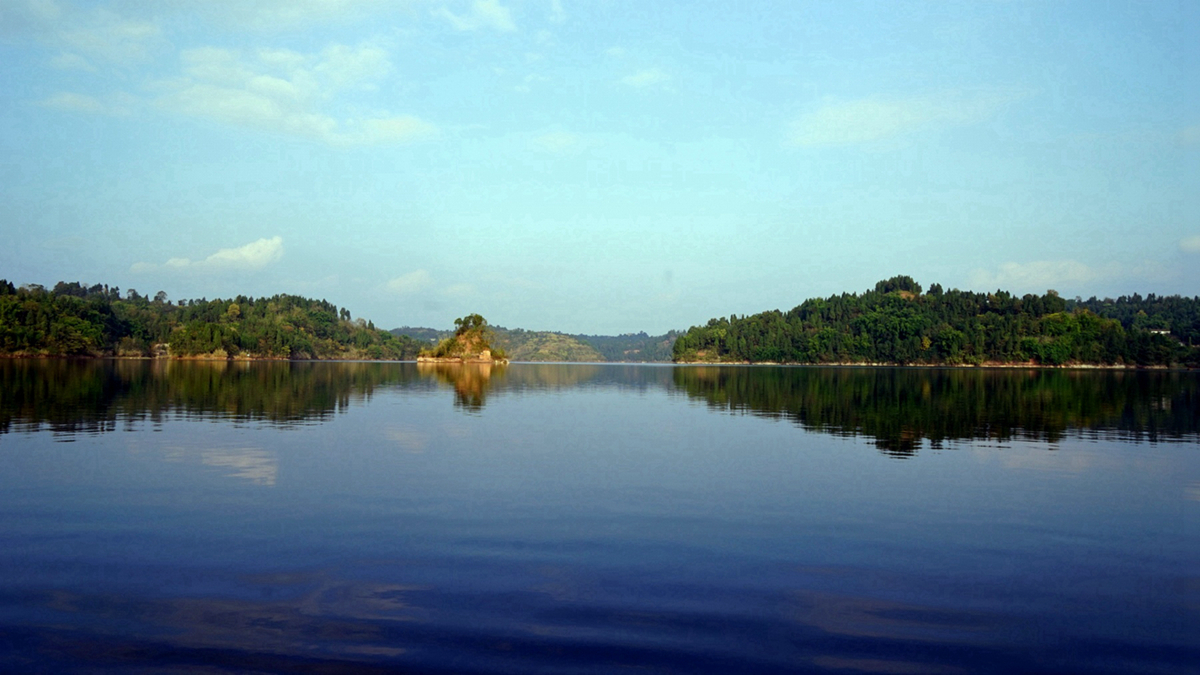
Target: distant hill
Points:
(430, 335)
(74, 319)
(544, 346)
(633, 347)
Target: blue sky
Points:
(598, 167)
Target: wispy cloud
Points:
(252, 256)
(557, 15)
(1190, 244)
(286, 91)
(30, 17)
(68, 101)
(527, 83)
(458, 290)
(646, 78)
(408, 284)
(482, 14)
(873, 119)
(1036, 276)
(274, 15)
(1190, 135)
(85, 36)
(109, 37)
(70, 61)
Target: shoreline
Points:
(985, 365)
(462, 360)
(477, 361)
(202, 357)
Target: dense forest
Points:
(73, 319)
(898, 323)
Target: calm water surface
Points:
(327, 518)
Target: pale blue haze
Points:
(598, 167)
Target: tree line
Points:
(899, 323)
(73, 319)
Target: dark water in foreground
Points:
(329, 518)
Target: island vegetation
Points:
(73, 319)
(899, 323)
(470, 343)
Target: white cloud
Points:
(285, 91)
(410, 283)
(1190, 135)
(253, 256)
(1036, 276)
(615, 52)
(557, 15)
(1190, 244)
(874, 119)
(645, 78)
(483, 14)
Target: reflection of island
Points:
(902, 408)
(473, 382)
(470, 380)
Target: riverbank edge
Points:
(986, 365)
(198, 357)
(462, 360)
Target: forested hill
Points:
(527, 345)
(898, 323)
(77, 320)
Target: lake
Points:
(381, 517)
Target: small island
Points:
(471, 343)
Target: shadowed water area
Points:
(382, 517)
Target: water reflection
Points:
(255, 465)
(471, 381)
(92, 396)
(901, 409)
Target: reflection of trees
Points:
(470, 380)
(93, 395)
(900, 408)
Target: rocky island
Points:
(471, 343)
